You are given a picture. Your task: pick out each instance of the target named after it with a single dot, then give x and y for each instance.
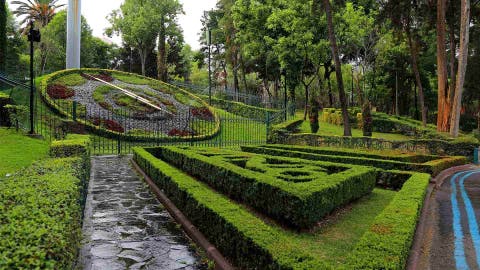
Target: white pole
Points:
(74, 24)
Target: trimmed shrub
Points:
(258, 244)
(387, 244)
(367, 122)
(41, 213)
(244, 110)
(265, 182)
(313, 115)
(77, 145)
(432, 167)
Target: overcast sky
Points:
(95, 12)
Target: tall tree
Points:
(138, 23)
(444, 104)
(462, 67)
(3, 35)
(338, 68)
(167, 12)
(406, 17)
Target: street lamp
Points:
(33, 36)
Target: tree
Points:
(462, 67)
(167, 12)
(40, 11)
(338, 68)
(444, 103)
(406, 16)
(3, 35)
(138, 24)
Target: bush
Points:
(387, 244)
(41, 213)
(367, 122)
(244, 110)
(4, 115)
(381, 161)
(259, 244)
(320, 187)
(313, 115)
(77, 145)
(18, 115)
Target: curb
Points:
(212, 252)
(435, 183)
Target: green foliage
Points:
(265, 182)
(3, 35)
(132, 79)
(387, 244)
(313, 115)
(367, 122)
(428, 164)
(263, 245)
(18, 115)
(242, 109)
(42, 209)
(78, 145)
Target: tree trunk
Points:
(443, 104)
(305, 112)
(421, 98)
(328, 71)
(338, 69)
(143, 57)
(462, 67)
(162, 53)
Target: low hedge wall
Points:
(387, 244)
(300, 205)
(433, 167)
(252, 243)
(244, 110)
(65, 111)
(459, 147)
(41, 214)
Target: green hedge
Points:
(74, 145)
(64, 107)
(41, 212)
(319, 188)
(432, 167)
(252, 243)
(387, 244)
(4, 117)
(244, 110)
(457, 147)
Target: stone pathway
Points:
(126, 227)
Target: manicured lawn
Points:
(18, 151)
(328, 129)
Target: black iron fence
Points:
(117, 131)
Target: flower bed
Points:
(57, 91)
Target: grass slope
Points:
(19, 151)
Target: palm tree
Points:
(40, 11)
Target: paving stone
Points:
(126, 227)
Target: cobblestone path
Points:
(126, 227)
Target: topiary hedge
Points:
(64, 107)
(260, 245)
(265, 183)
(41, 213)
(433, 167)
(245, 110)
(387, 244)
(458, 147)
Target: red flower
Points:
(108, 124)
(58, 91)
(102, 76)
(202, 113)
(179, 133)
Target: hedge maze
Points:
(289, 207)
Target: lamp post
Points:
(33, 36)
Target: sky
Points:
(95, 12)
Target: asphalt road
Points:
(451, 237)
